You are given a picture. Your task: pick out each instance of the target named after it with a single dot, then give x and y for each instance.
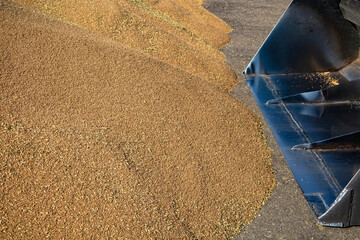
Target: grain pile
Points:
(127, 22)
(101, 140)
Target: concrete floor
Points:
(286, 214)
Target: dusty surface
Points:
(100, 140)
(286, 214)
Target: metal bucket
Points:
(306, 81)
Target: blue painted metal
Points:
(306, 83)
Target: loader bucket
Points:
(306, 81)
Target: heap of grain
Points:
(127, 21)
(102, 137)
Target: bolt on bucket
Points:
(306, 81)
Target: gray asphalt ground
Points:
(286, 214)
